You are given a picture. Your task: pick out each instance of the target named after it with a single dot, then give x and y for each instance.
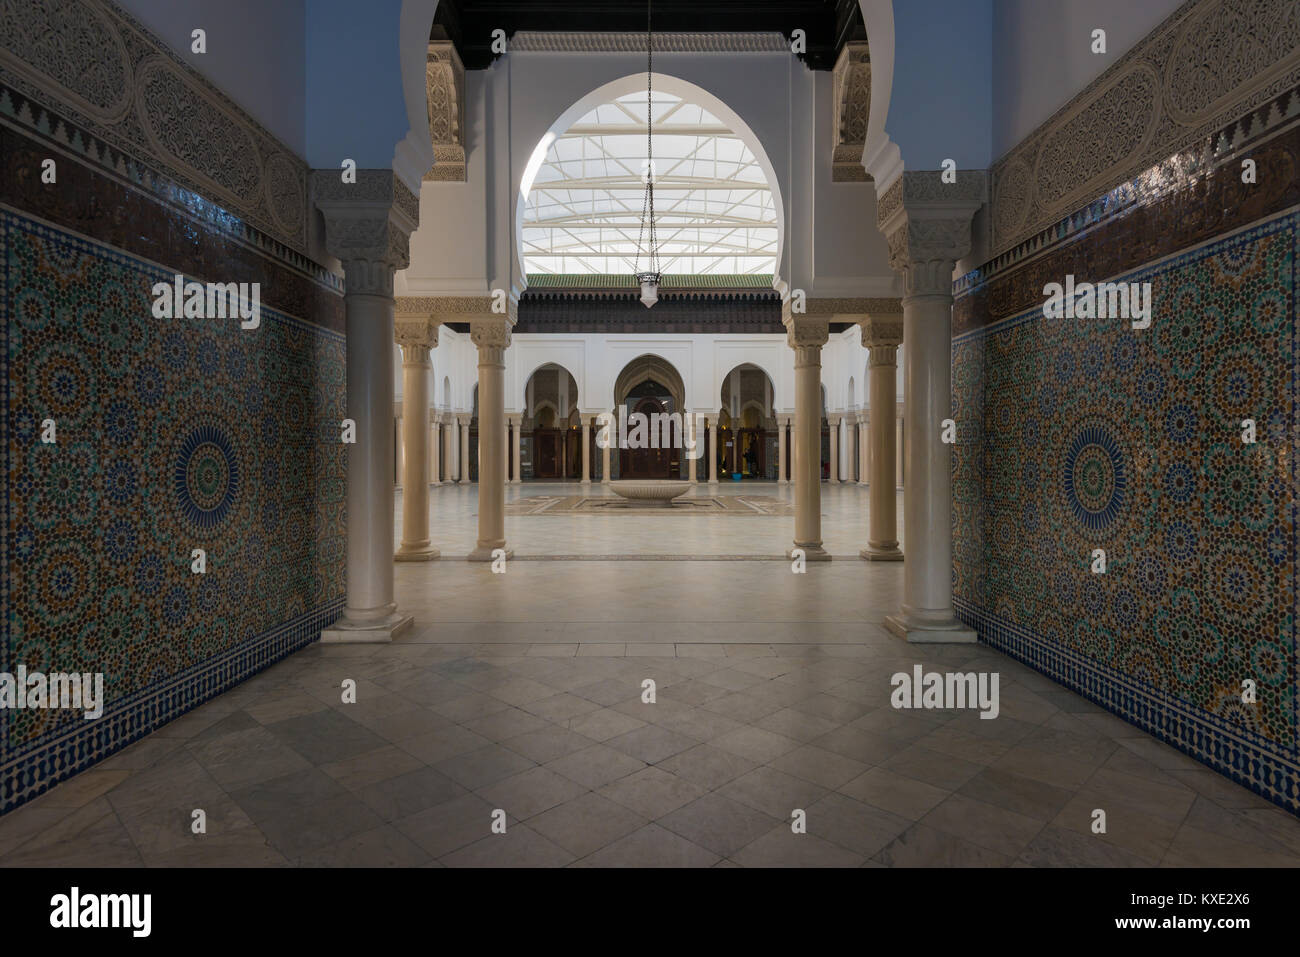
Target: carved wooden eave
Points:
(851, 102)
(444, 78)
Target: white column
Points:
(586, 451)
(882, 519)
(416, 338)
(435, 451)
(491, 334)
(604, 453)
(926, 237)
(713, 450)
(516, 423)
(464, 449)
(370, 236)
(782, 426)
(901, 450)
(834, 422)
(694, 440)
(806, 336)
(864, 470)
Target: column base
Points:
(811, 553)
(483, 553)
(942, 633)
(416, 553)
(344, 631)
(882, 553)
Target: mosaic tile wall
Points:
(1084, 434)
(172, 434)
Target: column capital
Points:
(806, 331)
(491, 333)
(834, 418)
(414, 332)
(927, 223)
(882, 325)
(368, 225)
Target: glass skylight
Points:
(713, 207)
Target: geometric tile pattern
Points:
(1083, 434)
(172, 435)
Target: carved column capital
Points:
(368, 225)
(927, 225)
(415, 333)
(883, 324)
(806, 332)
(491, 333)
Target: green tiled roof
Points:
(627, 281)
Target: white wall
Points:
(702, 361)
(1042, 54)
(255, 54)
(467, 242)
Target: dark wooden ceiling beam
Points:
(828, 24)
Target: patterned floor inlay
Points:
(589, 504)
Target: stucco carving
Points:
(1207, 64)
(95, 64)
(415, 332)
(574, 42)
(444, 78)
(491, 334)
(367, 226)
(851, 103)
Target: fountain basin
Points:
(652, 492)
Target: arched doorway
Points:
(650, 385)
(748, 433)
(551, 433)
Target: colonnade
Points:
(928, 230)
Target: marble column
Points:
(692, 457)
(927, 227)
(586, 451)
(416, 336)
(782, 426)
(850, 430)
(834, 422)
(713, 450)
(806, 336)
(464, 449)
(491, 334)
(516, 425)
(449, 448)
(882, 335)
(604, 453)
(367, 228)
(435, 450)
(898, 444)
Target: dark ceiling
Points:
(828, 24)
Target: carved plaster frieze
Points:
(1207, 64)
(95, 64)
(581, 42)
(444, 80)
(447, 309)
(851, 103)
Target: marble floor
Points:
(519, 696)
(556, 737)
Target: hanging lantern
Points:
(649, 287)
(649, 277)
